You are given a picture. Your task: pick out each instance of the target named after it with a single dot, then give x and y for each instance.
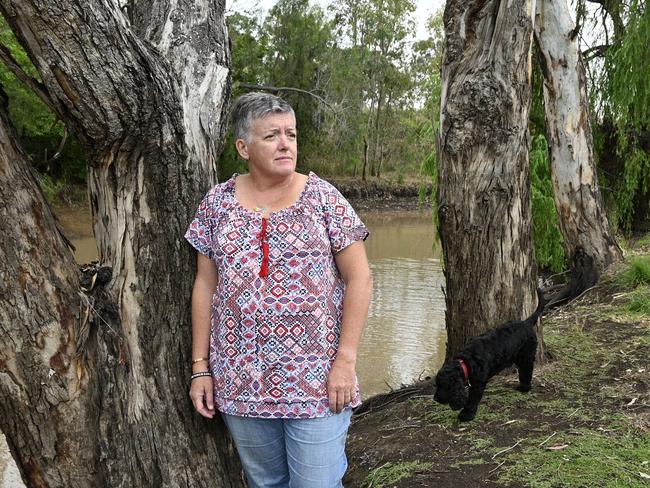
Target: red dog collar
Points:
(463, 366)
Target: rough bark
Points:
(583, 221)
(483, 180)
(39, 318)
(147, 102)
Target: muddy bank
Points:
(384, 195)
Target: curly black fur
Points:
(511, 343)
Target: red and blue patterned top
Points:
(275, 331)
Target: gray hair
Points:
(255, 105)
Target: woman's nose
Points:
(283, 141)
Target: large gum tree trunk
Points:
(583, 221)
(483, 183)
(94, 384)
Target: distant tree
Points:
(298, 38)
(94, 377)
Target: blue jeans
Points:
(291, 453)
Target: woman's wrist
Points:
(346, 356)
(200, 367)
(199, 364)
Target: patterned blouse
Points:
(276, 311)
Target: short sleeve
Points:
(343, 224)
(202, 229)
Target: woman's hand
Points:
(202, 395)
(341, 384)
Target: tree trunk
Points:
(365, 158)
(583, 221)
(483, 180)
(374, 167)
(44, 409)
(147, 102)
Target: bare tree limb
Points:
(59, 150)
(32, 83)
(595, 52)
(277, 89)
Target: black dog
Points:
(461, 382)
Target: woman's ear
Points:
(242, 148)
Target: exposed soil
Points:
(596, 382)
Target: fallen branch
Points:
(508, 449)
(547, 439)
(500, 464)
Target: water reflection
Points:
(78, 227)
(405, 334)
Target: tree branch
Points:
(32, 83)
(59, 150)
(277, 89)
(595, 52)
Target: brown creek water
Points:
(405, 336)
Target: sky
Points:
(424, 9)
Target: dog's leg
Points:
(525, 363)
(475, 394)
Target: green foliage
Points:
(39, 130)
(50, 188)
(391, 473)
(248, 49)
(627, 103)
(636, 178)
(638, 272)
(426, 68)
(548, 238)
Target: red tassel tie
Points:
(264, 242)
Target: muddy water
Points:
(404, 337)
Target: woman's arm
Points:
(353, 266)
(205, 283)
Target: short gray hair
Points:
(255, 105)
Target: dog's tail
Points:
(541, 304)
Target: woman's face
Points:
(273, 149)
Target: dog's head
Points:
(450, 386)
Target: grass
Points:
(639, 302)
(390, 473)
(638, 272)
(642, 242)
(582, 458)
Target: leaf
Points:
(632, 402)
(644, 476)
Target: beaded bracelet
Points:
(199, 374)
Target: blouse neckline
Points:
(294, 206)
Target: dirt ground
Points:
(586, 421)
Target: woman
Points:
(279, 302)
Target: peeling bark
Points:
(483, 183)
(147, 102)
(583, 221)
